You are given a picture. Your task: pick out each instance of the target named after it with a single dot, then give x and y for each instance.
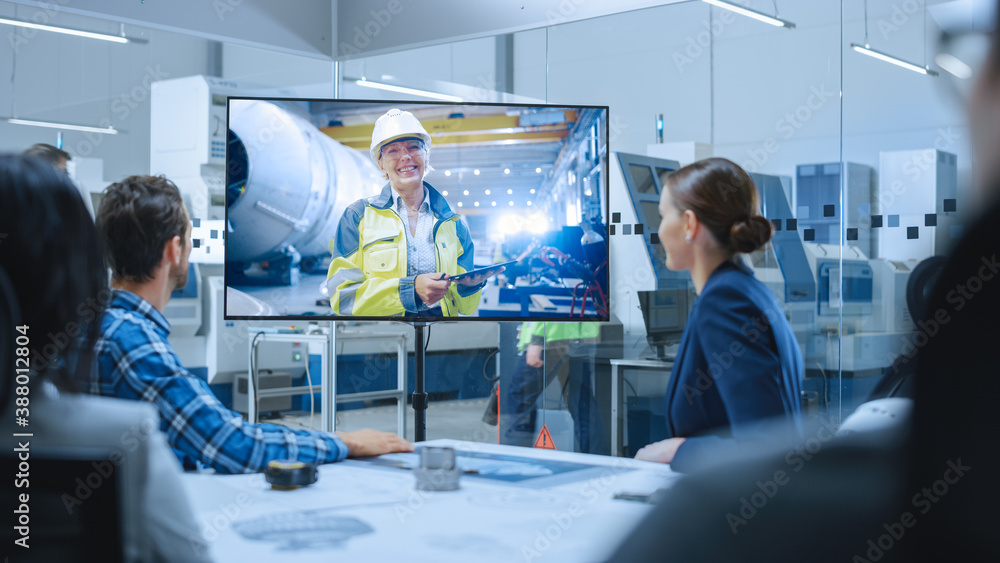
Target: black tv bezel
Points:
(410, 319)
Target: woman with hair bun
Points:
(738, 365)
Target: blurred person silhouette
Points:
(957, 385)
(52, 260)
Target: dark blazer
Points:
(738, 365)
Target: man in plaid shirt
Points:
(146, 234)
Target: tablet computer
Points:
(493, 268)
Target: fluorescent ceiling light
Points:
(954, 65)
(866, 50)
(759, 16)
(70, 31)
(405, 90)
(106, 130)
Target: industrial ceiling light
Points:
(54, 125)
(404, 90)
(954, 65)
(867, 50)
(759, 16)
(70, 31)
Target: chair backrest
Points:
(897, 379)
(886, 414)
(73, 508)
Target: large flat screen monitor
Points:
(351, 209)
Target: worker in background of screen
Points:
(395, 251)
(738, 363)
(146, 234)
(54, 156)
(562, 351)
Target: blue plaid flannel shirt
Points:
(135, 361)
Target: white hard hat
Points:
(393, 125)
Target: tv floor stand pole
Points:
(419, 397)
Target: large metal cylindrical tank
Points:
(288, 183)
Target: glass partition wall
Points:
(859, 164)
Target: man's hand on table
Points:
(370, 442)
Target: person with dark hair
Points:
(738, 363)
(54, 156)
(146, 234)
(51, 263)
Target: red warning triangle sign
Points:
(544, 439)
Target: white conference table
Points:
(543, 506)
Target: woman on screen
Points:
(395, 251)
(738, 364)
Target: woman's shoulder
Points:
(737, 285)
(729, 279)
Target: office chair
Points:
(897, 380)
(73, 503)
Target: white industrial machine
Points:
(288, 187)
(637, 259)
(188, 146)
(917, 204)
(188, 139)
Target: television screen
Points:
(422, 211)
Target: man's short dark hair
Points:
(136, 218)
(49, 153)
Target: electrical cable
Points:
(583, 305)
(486, 365)
(866, 23)
(634, 392)
(572, 307)
(312, 397)
(252, 383)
